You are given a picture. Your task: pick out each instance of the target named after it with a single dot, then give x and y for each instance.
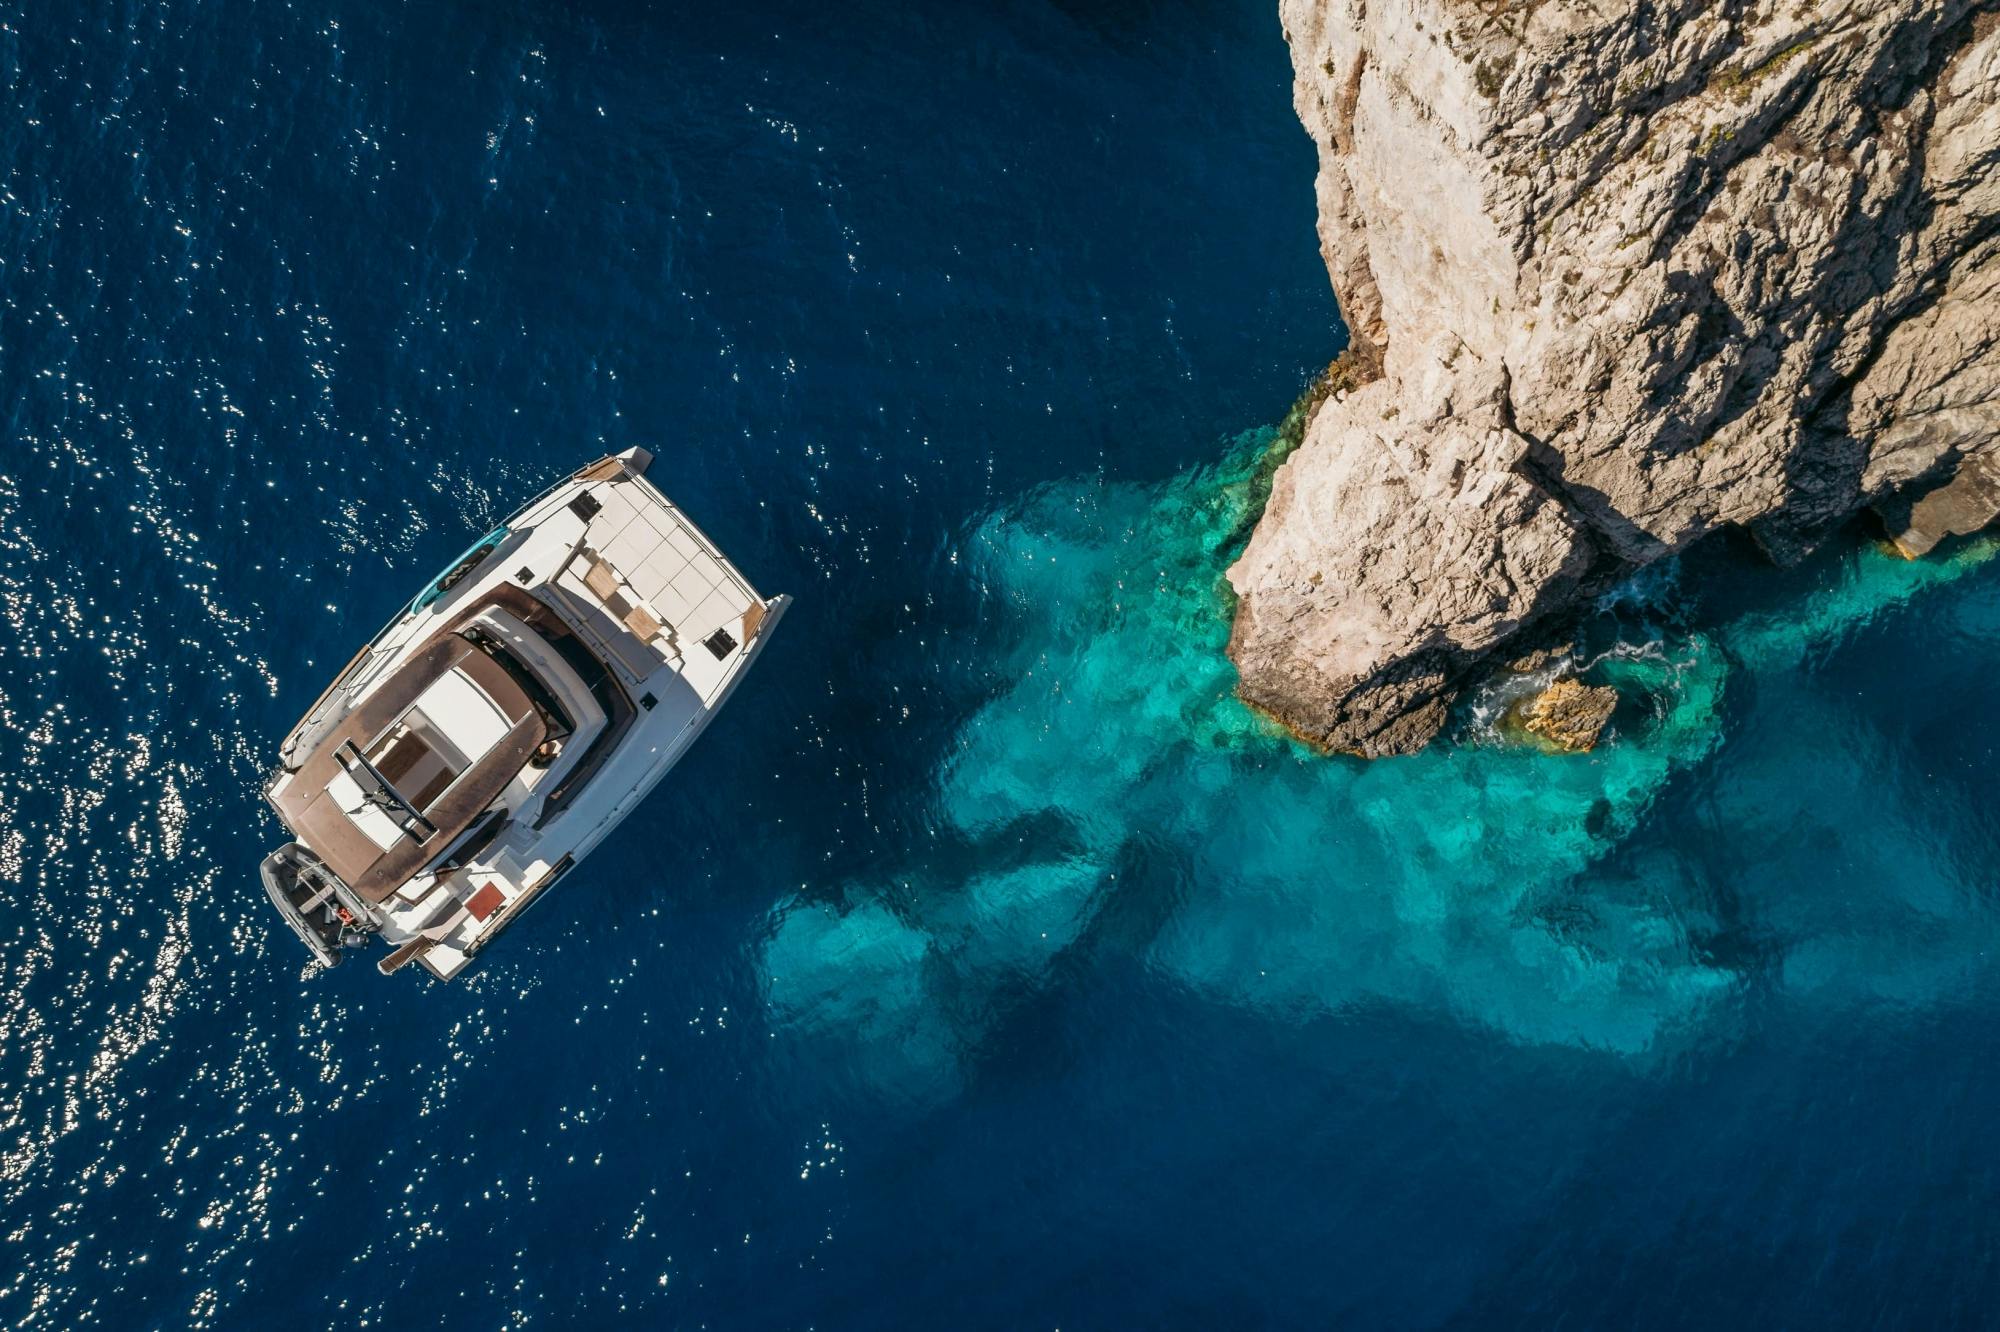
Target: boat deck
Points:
(643, 586)
(601, 590)
(310, 809)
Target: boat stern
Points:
(318, 907)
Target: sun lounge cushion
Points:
(484, 902)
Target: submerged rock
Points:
(1541, 658)
(1569, 714)
(1632, 274)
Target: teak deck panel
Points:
(375, 874)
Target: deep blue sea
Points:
(986, 965)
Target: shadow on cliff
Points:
(1824, 470)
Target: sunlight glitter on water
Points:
(1146, 1016)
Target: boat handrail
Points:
(385, 796)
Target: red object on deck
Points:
(484, 902)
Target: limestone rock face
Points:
(1569, 714)
(1634, 273)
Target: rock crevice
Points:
(1633, 274)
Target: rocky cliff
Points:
(1624, 275)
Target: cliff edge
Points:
(1632, 274)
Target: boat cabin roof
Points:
(447, 732)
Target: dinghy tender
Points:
(498, 729)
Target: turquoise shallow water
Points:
(986, 965)
(1481, 878)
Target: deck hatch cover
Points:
(585, 506)
(720, 643)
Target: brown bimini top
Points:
(317, 819)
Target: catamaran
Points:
(507, 720)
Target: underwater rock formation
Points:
(1103, 795)
(1569, 714)
(1633, 275)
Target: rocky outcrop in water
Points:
(1569, 715)
(1632, 274)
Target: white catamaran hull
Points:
(500, 727)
